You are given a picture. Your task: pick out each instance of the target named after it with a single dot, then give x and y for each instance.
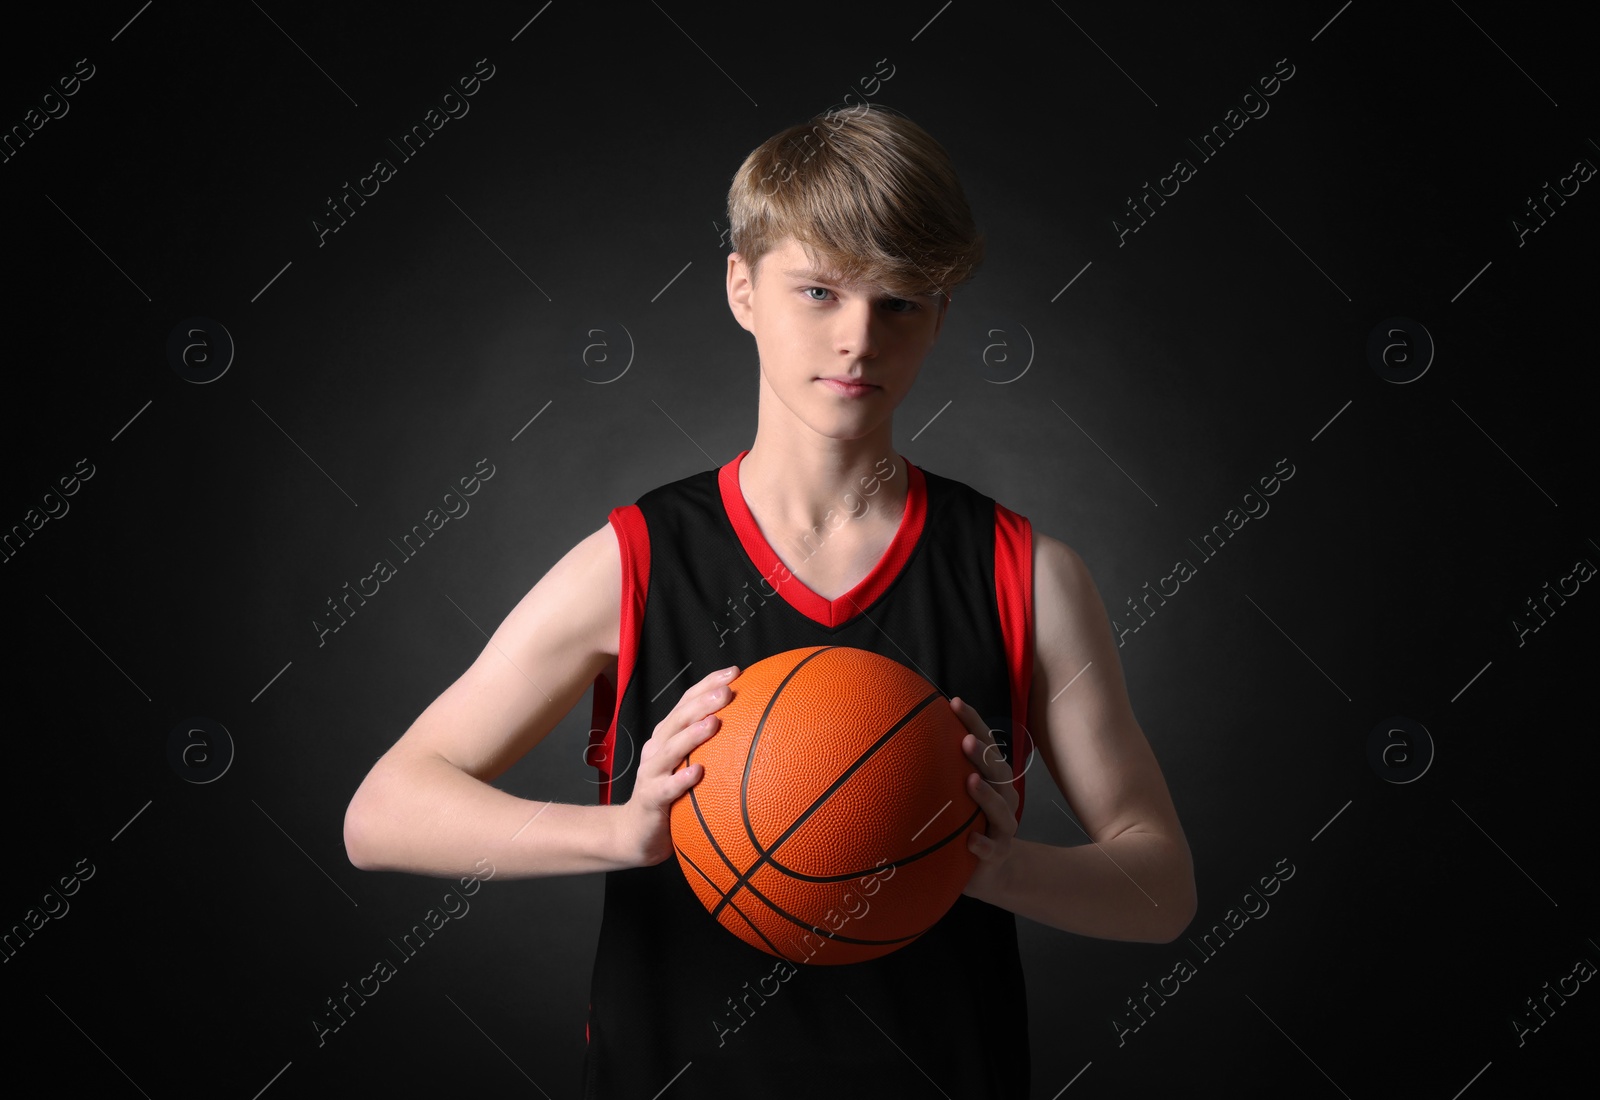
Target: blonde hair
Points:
(869, 195)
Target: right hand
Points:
(647, 814)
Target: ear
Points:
(740, 288)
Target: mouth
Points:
(848, 388)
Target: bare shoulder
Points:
(1072, 635)
(1083, 720)
(1065, 600)
(535, 668)
(581, 594)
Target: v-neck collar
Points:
(835, 612)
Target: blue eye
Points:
(893, 305)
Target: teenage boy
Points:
(850, 232)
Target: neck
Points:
(797, 480)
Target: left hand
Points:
(992, 788)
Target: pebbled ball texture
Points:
(831, 823)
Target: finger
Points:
(984, 751)
(988, 758)
(988, 753)
(987, 847)
(680, 781)
(673, 748)
(975, 725)
(714, 679)
(971, 719)
(680, 744)
(997, 811)
(996, 807)
(708, 696)
(703, 698)
(662, 791)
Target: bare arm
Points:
(1135, 881)
(427, 805)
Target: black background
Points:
(462, 299)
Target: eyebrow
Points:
(819, 276)
(836, 279)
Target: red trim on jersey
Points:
(1013, 587)
(829, 613)
(633, 541)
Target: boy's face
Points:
(809, 326)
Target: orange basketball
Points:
(831, 823)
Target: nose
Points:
(856, 333)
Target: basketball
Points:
(831, 823)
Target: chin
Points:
(845, 429)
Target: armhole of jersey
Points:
(1013, 585)
(633, 542)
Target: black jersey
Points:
(681, 1007)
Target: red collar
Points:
(829, 613)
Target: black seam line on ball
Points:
(774, 948)
(752, 924)
(755, 739)
(832, 936)
(694, 802)
(765, 854)
(694, 792)
(786, 915)
(698, 869)
(727, 899)
(798, 923)
(934, 847)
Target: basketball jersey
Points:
(680, 1007)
